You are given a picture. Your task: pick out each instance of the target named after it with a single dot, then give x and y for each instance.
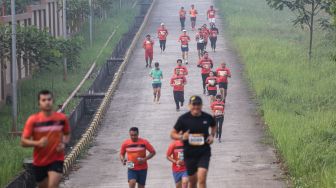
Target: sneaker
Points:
(150, 65)
(186, 62)
(181, 103)
(146, 65)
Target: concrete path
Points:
(240, 161)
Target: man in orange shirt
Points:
(178, 81)
(148, 45)
(217, 108)
(193, 14)
(182, 69)
(136, 149)
(48, 132)
(223, 74)
(184, 40)
(182, 14)
(206, 65)
(211, 15)
(162, 35)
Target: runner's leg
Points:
(164, 45)
(150, 59)
(54, 179)
(178, 184)
(154, 93)
(201, 176)
(193, 181)
(186, 56)
(43, 184)
(161, 45)
(220, 127)
(158, 94)
(204, 76)
(221, 90)
(132, 183)
(176, 100)
(217, 127)
(215, 41)
(146, 58)
(185, 182)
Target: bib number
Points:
(212, 82)
(156, 80)
(184, 45)
(222, 73)
(130, 164)
(218, 113)
(178, 82)
(180, 156)
(196, 139)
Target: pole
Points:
(65, 67)
(90, 4)
(14, 69)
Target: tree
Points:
(306, 12)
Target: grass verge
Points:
(297, 97)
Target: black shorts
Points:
(184, 49)
(193, 19)
(194, 163)
(212, 92)
(41, 172)
(223, 85)
(200, 46)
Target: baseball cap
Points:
(162, 23)
(184, 30)
(195, 100)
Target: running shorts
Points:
(156, 85)
(149, 54)
(193, 19)
(201, 161)
(223, 85)
(200, 46)
(212, 92)
(41, 172)
(179, 175)
(184, 49)
(139, 175)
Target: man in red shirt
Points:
(193, 14)
(223, 73)
(182, 69)
(206, 34)
(136, 149)
(213, 36)
(148, 45)
(200, 39)
(211, 15)
(48, 132)
(217, 108)
(184, 40)
(206, 64)
(162, 35)
(182, 14)
(178, 81)
(176, 156)
(211, 83)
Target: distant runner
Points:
(182, 14)
(137, 158)
(182, 69)
(176, 156)
(178, 81)
(193, 14)
(48, 132)
(193, 129)
(211, 83)
(162, 35)
(206, 64)
(211, 15)
(223, 73)
(200, 43)
(148, 45)
(206, 34)
(184, 39)
(213, 36)
(217, 108)
(156, 75)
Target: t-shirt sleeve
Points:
(123, 149)
(170, 150)
(28, 127)
(66, 128)
(149, 147)
(178, 125)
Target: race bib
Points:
(196, 139)
(184, 45)
(212, 82)
(177, 82)
(200, 40)
(206, 66)
(222, 73)
(148, 42)
(130, 164)
(180, 156)
(218, 113)
(156, 79)
(212, 13)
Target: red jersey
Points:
(223, 74)
(134, 150)
(184, 39)
(218, 108)
(200, 38)
(178, 82)
(211, 13)
(162, 33)
(213, 33)
(182, 13)
(148, 45)
(206, 33)
(206, 65)
(52, 127)
(193, 13)
(183, 70)
(212, 83)
(176, 149)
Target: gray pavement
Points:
(240, 161)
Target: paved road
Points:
(240, 161)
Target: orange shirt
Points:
(135, 150)
(193, 13)
(162, 33)
(148, 45)
(178, 82)
(182, 13)
(211, 13)
(176, 149)
(184, 40)
(206, 65)
(218, 108)
(222, 74)
(52, 127)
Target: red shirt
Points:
(184, 40)
(206, 33)
(52, 127)
(212, 81)
(183, 70)
(218, 108)
(148, 45)
(182, 13)
(193, 13)
(213, 33)
(223, 74)
(200, 38)
(176, 149)
(206, 65)
(211, 13)
(162, 33)
(178, 82)
(135, 150)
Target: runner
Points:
(206, 64)
(211, 15)
(182, 14)
(193, 129)
(182, 69)
(148, 45)
(217, 108)
(175, 155)
(162, 35)
(48, 132)
(136, 160)
(223, 73)
(178, 81)
(211, 82)
(213, 36)
(200, 43)
(193, 14)
(206, 33)
(156, 75)
(184, 40)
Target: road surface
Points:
(240, 161)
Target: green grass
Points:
(12, 155)
(297, 97)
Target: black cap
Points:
(195, 100)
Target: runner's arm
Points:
(122, 154)
(151, 150)
(175, 135)
(26, 140)
(170, 153)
